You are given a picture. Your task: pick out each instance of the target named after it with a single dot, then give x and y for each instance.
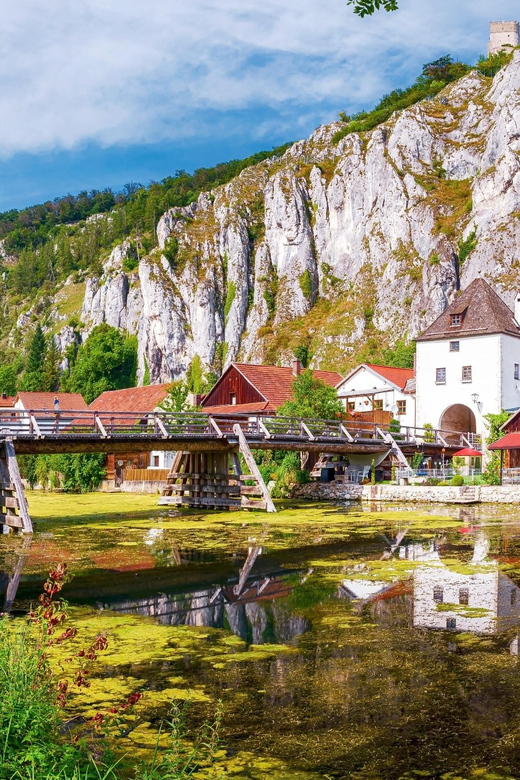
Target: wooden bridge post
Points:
(14, 510)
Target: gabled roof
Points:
(399, 377)
(132, 399)
(483, 313)
(37, 401)
(274, 383)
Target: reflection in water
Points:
(12, 564)
(475, 597)
(246, 607)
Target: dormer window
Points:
(456, 320)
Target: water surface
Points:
(343, 642)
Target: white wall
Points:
(510, 385)
(484, 355)
(165, 458)
(368, 381)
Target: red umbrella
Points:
(467, 452)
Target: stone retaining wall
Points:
(328, 491)
(487, 494)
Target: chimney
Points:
(4, 396)
(517, 308)
(296, 367)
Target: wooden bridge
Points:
(206, 446)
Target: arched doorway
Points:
(458, 418)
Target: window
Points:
(451, 623)
(401, 407)
(438, 594)
(233, 398)
(351, 406)
(456, 320)
(466, 373)
(464, 596)
(517, 371)
(377, 405)
(440, 376)
(454, 346)
(513, 598)
(156, 461)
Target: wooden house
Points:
(257, 390)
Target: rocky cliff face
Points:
(335, 245)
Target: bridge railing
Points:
(48, 422)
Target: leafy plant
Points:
(106, 361)
(230, 297)
(305, 282)
(429, 434)
(368, 7)
(312, 398)
(467, 245)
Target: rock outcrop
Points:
(334, 243)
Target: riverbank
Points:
(416, 494)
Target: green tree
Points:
(494, 423)
(195, 376)
(50, 380)
(312, 398)
(301, 353)
(177, 398)
(106, 361)
(368, 7)
(33, 376)
(8, 379)
(401, 356)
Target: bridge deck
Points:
(45, 431)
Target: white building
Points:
(371, 388)
(468, 362)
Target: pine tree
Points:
(51, 367)
(33, 376)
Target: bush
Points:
(432, 482)
(457, 480)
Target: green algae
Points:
(358, 693)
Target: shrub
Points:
(429, 435)
(432, 482)
(457, 480)
(466, 246)
(306, 283)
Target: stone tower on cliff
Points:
(502, 35)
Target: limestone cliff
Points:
(338, 245)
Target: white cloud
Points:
(124, 71)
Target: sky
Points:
(102, 92)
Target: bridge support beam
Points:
(14, 510)
(204, 480)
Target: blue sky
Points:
(103, 92)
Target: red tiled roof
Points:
(398, 376)
(275, 382)
(132, 399)
(257, 408)
(7, 402)
(484, 312)
(37, 401)
(510, 441)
